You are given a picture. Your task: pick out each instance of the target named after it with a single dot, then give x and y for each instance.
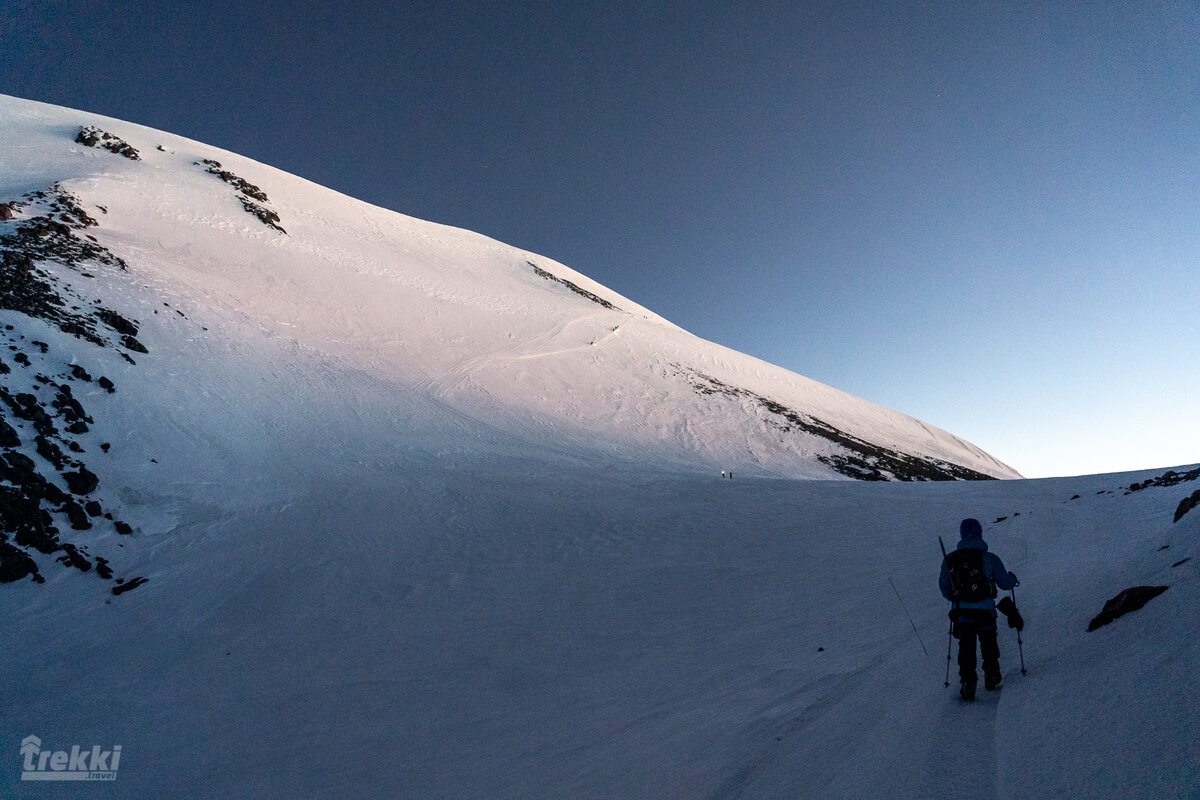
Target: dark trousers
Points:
(971, 626)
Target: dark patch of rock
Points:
(118, 323)
(1168, 478)
(91, 136)
(1186, 505)
(573, 287)
(125, 587)
(15, 564)
(8, 436)
(81, 481)
(51, 452)
(73, 558)
(76, 516)
(251, 197)
(862, 460)
(1129, 600)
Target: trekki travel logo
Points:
(76, 764)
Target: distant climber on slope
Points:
(970, 579)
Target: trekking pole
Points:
(910, 619)
(1020, 649)
(949, 646)
(950, 633)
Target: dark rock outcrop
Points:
(251, 197)
(15, 564)
(123, 587)
(861, 459)
(541, 273)
(1129, 600)
(92, 136)
(1168, 478)
(1186, 505)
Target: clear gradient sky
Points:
(982, 214)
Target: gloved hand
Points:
(1014, 579)
(1009, 609)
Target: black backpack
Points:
(971, 583)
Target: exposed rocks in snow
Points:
(40, 416)
(863, 461)
(31, 497)
(1129, 600)
(51, 234)
(123, 587)
(1172, 478)
(1168, 478)
(251, 197)
(93, 137)
(1186, 505)
(574, 288)
(15, 564)
(6, 211)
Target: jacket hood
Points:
(972, 535)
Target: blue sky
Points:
(985, 215)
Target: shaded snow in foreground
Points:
(522, 628)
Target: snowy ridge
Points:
(436, 310)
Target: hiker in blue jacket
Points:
(970, 579)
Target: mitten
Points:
(1009, 609)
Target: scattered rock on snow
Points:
(44, 413)
(1168, 478)
(1186, 505)
(252, 197)
(541, 273)
(861, 460)
(123, 587)
(1129, 600)
(93, 136)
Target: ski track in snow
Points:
(444, 384)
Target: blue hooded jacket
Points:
(972, 539)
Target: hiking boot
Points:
(967, 692)
(992, 684)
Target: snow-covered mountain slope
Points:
(406, 512)
(457, 325)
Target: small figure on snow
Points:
(970, 579)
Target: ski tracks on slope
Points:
(443, 384)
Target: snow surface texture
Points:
(422, 517)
